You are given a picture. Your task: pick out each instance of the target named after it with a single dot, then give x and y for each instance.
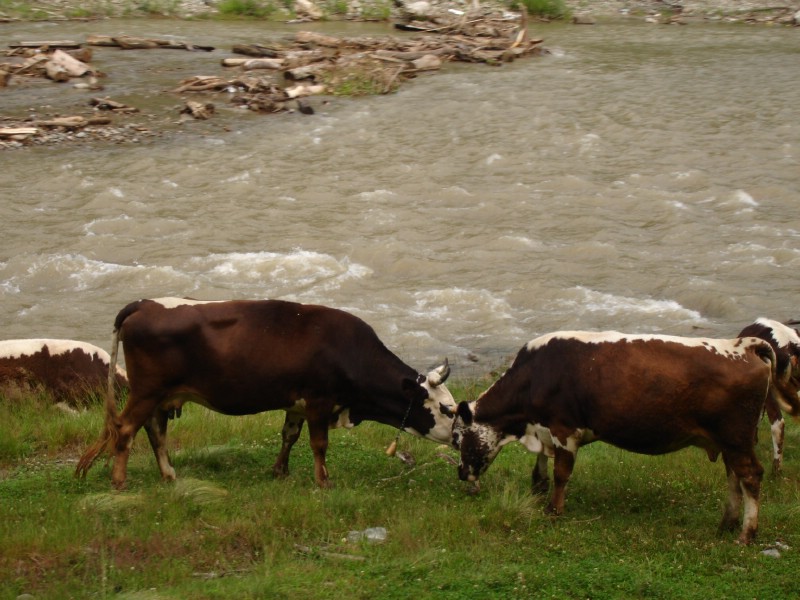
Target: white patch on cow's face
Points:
(170, 302)
(439, 396)
(18, 348)
(736, 348)
(479, 445)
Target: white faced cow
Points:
(644, 393)
(68, 370)
(319, 364)
(785, 341)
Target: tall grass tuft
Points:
(547, 9)
(247, 8)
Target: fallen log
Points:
(128, 42)
(255, 50)
(234, 62)
(76, 122)
(132, 43)
(263, 63)
(63, 44)
(108, 104)
(311, 37)
(17, 133)
(201, 83)
(299, 91)
(101, 40)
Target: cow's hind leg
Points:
(733, 505)
(292, 427)
(137, 412)
(539, 479)
(156, 429)
(744, 469)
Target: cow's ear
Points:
(464, 412)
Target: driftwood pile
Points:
(275, 77)
(312, 63)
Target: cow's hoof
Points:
(728, 525)
(553, 511)
(746, 538)
(540, 488)
(474, 489)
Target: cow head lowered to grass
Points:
(644, 393)
(319, 364)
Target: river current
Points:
(641, 178)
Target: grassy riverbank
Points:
(635, 527)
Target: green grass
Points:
(634, 527)
(547, 9)
(247, 8)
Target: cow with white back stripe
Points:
(320, 365)
(69, 370)
(649, 394)
(785, 341)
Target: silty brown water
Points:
(641, 178)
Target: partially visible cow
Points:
(70, 371)
(644, 393)
(319, 364)
(785, 341)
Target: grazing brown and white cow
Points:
(319, 364)
(66, 369)
(644, 393)
(785, 341)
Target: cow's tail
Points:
(789, 402)
(108, 438)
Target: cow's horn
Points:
(440, 374)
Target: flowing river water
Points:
(640, 178)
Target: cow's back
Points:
(237, 355)
(652, 394)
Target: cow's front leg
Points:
(748, 472)
(563, 463)
(156, 429)
(292, 426)
(318, 435)
(539, 479)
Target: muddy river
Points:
(640, 178)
